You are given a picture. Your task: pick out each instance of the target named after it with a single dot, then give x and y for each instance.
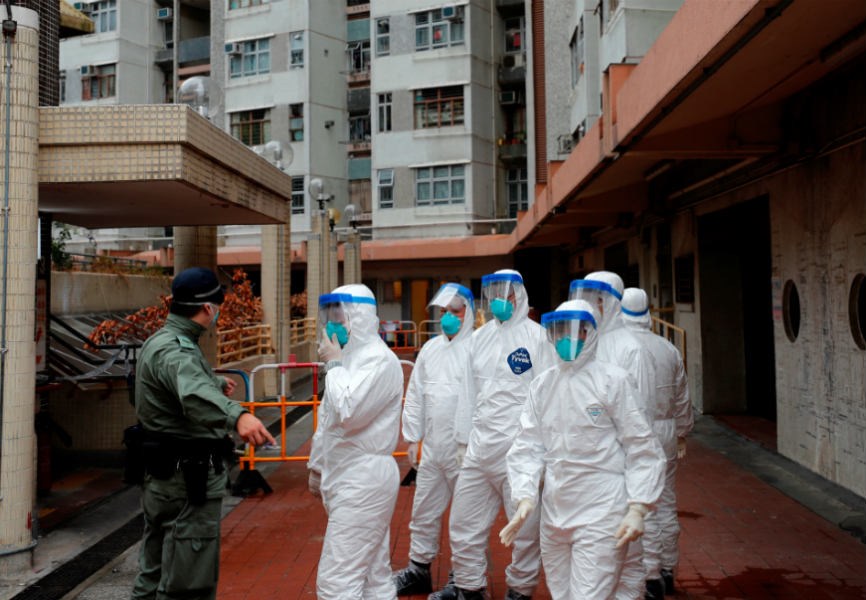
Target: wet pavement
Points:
(742, 537)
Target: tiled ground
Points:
(741, 539)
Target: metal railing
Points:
(401, 336)
(243, 342)
(302, 330)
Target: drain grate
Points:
(61, 580)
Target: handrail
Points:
(399, 335)
(675, 335)
(259, 334)
(302, 330)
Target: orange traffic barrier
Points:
(401, 336)
(249, 479)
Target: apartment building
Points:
(130, 58)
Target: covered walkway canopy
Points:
(152, 166)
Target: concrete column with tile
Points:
(197, 247)
(276, 285)
(352, 259)
(17, 399)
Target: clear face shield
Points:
(454, 303)
(334, 317)
(596, 293)
(568, 330)
(499, 294)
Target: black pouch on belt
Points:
(195, 471)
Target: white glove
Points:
(509, 532)
(329, 349)
(631, 527)
(461, 452)
(315, 483)
(412, 453)
(681, 447)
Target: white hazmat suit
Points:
(428, 416)
(619, 346)
(359, 423)
(505, 354)
(670, 410)
(584, 434)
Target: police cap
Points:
(196, 286)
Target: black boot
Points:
(449, 592)
(668, 578)
(655, 589)
(414, 579)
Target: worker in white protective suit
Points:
(505, 354)
(619, 346)
(670, 411)
(428, 416)
(584, 434)
(351, 463)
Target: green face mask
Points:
(502, 309)
(567, 350)
(342, 333)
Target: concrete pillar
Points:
(17, 458)
(352, 259)
(333, 260)
(276, 284)
(197, 247)
(318, 264)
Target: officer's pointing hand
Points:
(253, 431)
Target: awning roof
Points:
(152, 165)
(72, 18)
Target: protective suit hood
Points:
(605, 288)
(450, 293)
(635, 308)
(521, 298)
(583, 311)
(361, 312)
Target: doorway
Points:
(735, 272)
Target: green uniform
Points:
(178, 395)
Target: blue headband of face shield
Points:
(634, 313)
(326, 299)
(496, 277)
(462, 291)
(591, 284)
(567, 347)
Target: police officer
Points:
(185, 416)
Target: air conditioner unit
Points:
(508, 97)
(82, 7)
(234, 48)
(164, 14)
(511, 61)
(449, 12)
(87, 70)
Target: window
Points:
(684, 279)
(440, 185)
(254, 59)
(576, 47)
(359, 129)
(233, 4)
(517, 191)
(296, 122)
(62, 87)
(298, 195)
(359, 56)
(438, 107)
(296, 49)
(252, 127)
(432, 30)
(386, 188)
(100, 83)
(385, 112)
(514, 35)
(104, 15)
(383, 36)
